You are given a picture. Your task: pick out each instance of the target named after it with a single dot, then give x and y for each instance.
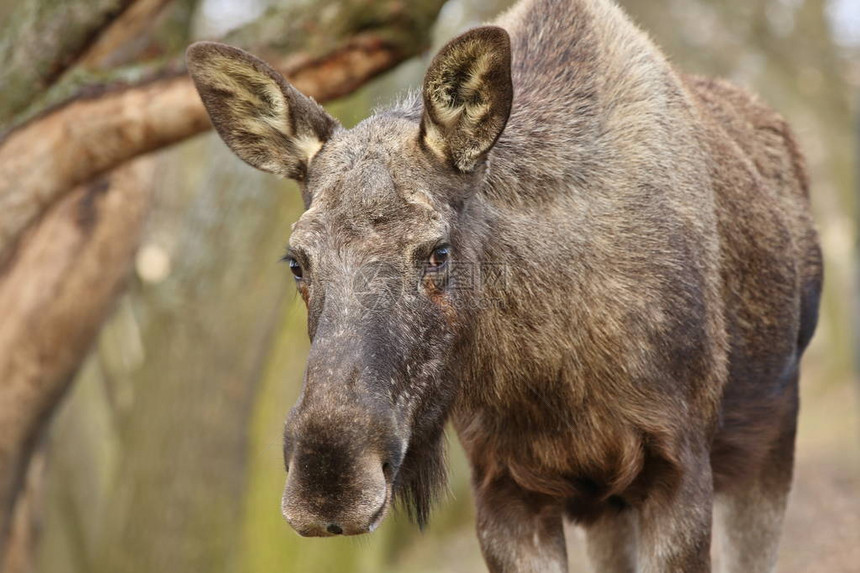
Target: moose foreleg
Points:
(675, 526)
(611, 542)
(519, 532)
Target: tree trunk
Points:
(53, 298)
(204, 327)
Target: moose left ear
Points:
(267, 122)
(467, 96)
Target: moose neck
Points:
(592, 100)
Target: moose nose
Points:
(330, 492)
(309, 525)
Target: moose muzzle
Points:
(341, 463)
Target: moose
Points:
(635, 371)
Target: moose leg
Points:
(749, 514)
(519, 532)
(611, 543)
(675, 526)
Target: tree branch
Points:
(41, 39)
(53, 299)
(132, 23)
(331, 48)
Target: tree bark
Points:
(24, 535)
(41, 39)
(204, 331)
(53, 298)
(131, 24)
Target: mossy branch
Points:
(41, 39)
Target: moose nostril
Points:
(334, 529)
(386, 470)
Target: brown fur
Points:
(633, 277)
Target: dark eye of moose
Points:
(295, 267)
(439, 257)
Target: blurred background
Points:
(165, 453)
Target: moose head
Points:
(392, 229)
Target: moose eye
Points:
(439, 257)
(295, 267)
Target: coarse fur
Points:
(602, 270)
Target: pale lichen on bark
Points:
(41, 39)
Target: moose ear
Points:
(467, 96)
(261, 117)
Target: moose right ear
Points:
(468, 96)
(265, 121)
